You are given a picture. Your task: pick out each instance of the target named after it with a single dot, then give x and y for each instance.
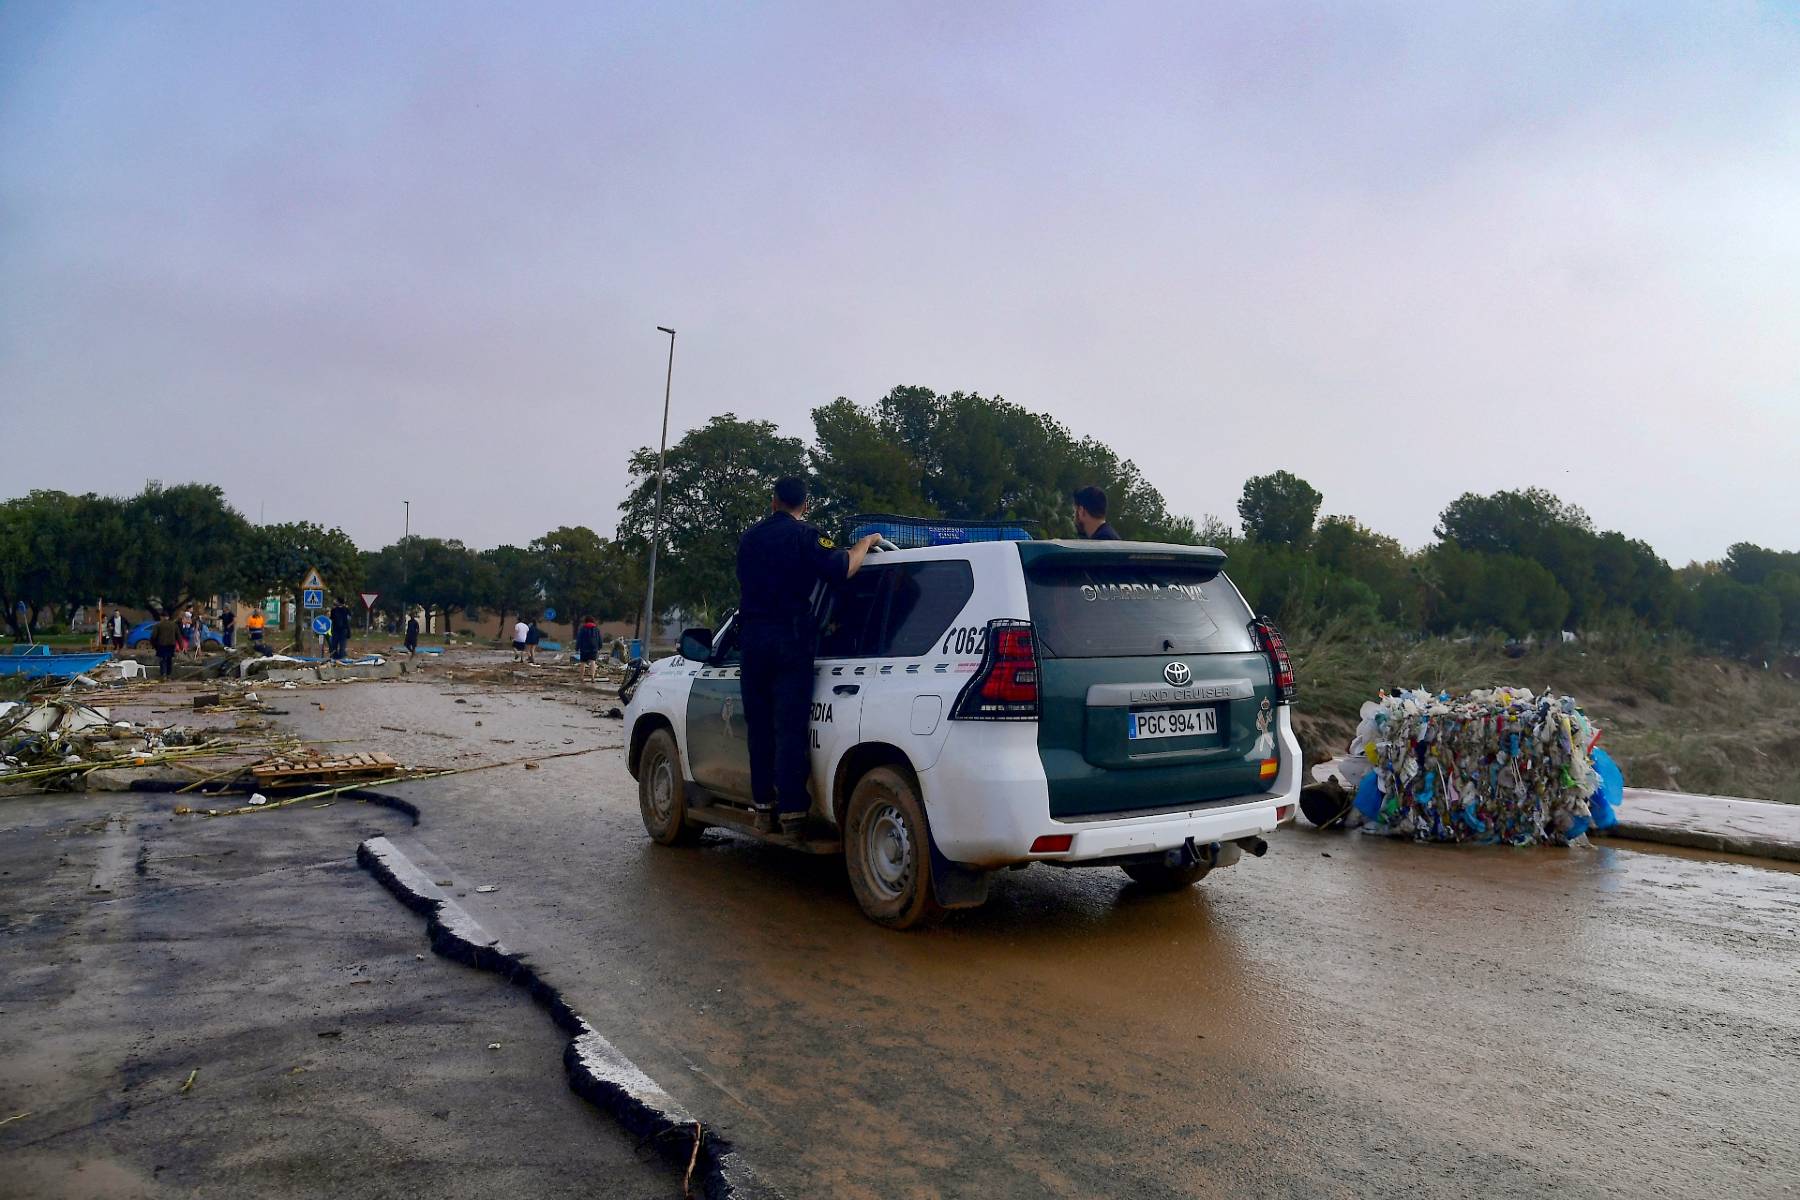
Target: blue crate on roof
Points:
(912, 533)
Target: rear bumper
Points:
(987, 810)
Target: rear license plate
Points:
(1172, 722)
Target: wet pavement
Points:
(331, 1054)
(1344, 1017)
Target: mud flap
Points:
(955, 885)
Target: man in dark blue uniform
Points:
(1090, 515)
(780, 560)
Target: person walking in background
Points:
(116, 624)
(520, 631)
(256, 623)
(228, 626)
(340, 629)
(412, 634)
(188, 641)
(587, 649)
(165, 636)
(533, 635)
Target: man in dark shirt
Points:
(1090, 515)
(165, 635)
(780, 560)
(340, 629)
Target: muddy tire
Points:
(1156, 877)
(887, 849)
(662, 792)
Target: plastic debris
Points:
(485, 888)
(259, 798)
(1494, 765)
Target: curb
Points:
(598, 1072)
(1725, 843)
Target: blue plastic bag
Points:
(1604, 804)
(1368, 796)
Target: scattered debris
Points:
(15, 1117)
(485, 888)
(192, 1075)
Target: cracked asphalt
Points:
(330, 1058)
(1344, 1017)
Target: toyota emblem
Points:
(1178, 674)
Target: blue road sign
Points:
(312, 598)
(321, 625)
(549, 614)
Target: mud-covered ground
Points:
(1344, 1017)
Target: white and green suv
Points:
(993, 704)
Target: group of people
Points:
(527, 636)
(183, 633)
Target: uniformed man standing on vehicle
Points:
(780, 560)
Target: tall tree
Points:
(584, 575)
(274, 560)
(189, 541)
(719, 480)
(515, 583)
(1279, 508)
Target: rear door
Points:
(1154, 691)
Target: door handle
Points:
(846, 689)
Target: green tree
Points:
(188, 540)
(1536, 525)
(860, 467)
(514, 583)
(34, 532)
(274, 560)
(718, 484)
(1735, 616)
(445, 575)
(1279, 508)
(1376, 560)
(585, 575)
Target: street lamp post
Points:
(405, 567)
(662, 455)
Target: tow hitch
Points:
(1211, 854)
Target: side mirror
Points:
(696, 644)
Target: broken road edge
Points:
(598, 1072)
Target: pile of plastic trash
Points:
(1494, 765)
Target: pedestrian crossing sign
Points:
(313, 583)
(312, 598)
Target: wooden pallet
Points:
(296, 772)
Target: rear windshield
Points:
(1135, 609)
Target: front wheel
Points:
(887, 849)
(662, 792)
(1159, 877)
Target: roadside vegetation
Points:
(1690, 669)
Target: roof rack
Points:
(912, 533)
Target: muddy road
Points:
(1344, 1017)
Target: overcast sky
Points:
(334, 256)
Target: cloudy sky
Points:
(335, 256)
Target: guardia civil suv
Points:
(994, 704)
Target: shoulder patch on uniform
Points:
(825, 542)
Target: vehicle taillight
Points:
(1275, 647)
(1005, 686)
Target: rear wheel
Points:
(662, 792)
(1159, 877)
(887, 848)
